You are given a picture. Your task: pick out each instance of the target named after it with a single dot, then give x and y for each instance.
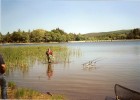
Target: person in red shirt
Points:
(49, 53)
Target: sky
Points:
(75, 16)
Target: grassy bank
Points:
(22, 93)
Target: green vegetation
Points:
(11, 85)
(22, 93)
(115, 35)
(58, 35)
(39, 35)
(22, 57)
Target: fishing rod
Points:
(92, 61)
(95, 59)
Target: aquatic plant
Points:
(23, 57)
(11, 85)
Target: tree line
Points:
(40, 35)
(116, 35)
(58, 35)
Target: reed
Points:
(22, 57)
(12, 85)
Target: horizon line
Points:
(68, 32)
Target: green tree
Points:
(16, 36)
(48, 36)
(37, 35)
(7, 37)
(1, 37)
(71, 37)
(134, 34)
(25, 37)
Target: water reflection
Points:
(49, 71)
(89, 68)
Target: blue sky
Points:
(76, 16)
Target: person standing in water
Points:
(49, 54)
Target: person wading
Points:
(49, 54)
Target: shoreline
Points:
(103, 41)
(74, 42)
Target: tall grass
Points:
(11, 85)
(23, 93)
(22, 57)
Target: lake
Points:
(116, 63)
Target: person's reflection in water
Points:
(49, 71)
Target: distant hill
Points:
(110, 32)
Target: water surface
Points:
(117, 62)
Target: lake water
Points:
(117, 63)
